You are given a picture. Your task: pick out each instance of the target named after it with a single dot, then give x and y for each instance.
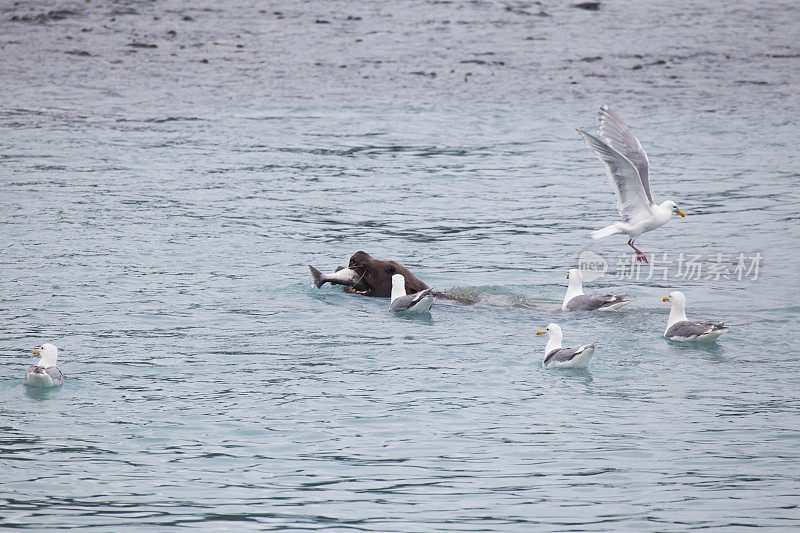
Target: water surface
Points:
(169, 171)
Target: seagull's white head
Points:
(48, 354)
(575, 283)
(677, 312)
(677, 298)
(552, 330)
(672, 207)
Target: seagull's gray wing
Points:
(562, 355)
(632, 202)
(621, 138)
(404, 303)
(590, 302)
(55, 373)
(688, 329)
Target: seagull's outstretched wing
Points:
(621, 138)
(632, 202)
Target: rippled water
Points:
(170, 170)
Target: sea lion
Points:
(374, 276)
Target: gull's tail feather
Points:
(605, 232)
(618, 301)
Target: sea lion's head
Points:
(377, 275)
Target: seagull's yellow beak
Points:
(567, 275)
(681, 213)
(36, 351)
(665, 299)
(540, 332)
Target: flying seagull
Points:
(627, 167)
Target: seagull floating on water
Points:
(628, 169)
(419, 302)
(45, 373)
(576, 300)
(679, 328)
(556, 356)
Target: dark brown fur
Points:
(377, 274)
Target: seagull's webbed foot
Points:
(639, 254)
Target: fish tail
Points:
(319, 277)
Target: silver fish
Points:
(342, 276)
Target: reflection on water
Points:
(41, 393)
(421, 318)
(575, 375)
(711, 351)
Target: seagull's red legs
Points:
(639, 254)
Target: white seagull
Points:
(627, 167)
(555, 355)
(576, 300)
(679, 328)
(419, 302)
(45, 373)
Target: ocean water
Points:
(169, 170)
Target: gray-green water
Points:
(160, 205)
